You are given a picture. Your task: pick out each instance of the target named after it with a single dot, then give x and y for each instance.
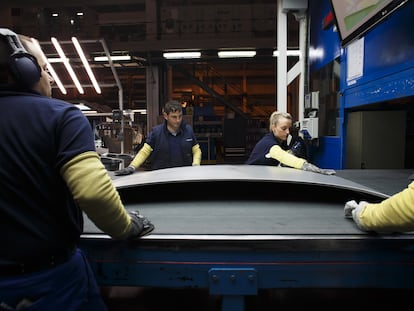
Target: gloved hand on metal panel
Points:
(352, 210)
(313, 168)
(140, 225)
(125, 171)
(350, 206)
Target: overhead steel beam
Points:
(211, 92)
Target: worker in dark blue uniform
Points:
(274, 148)
(50, 174)
(170, 144)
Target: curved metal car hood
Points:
(240, 172)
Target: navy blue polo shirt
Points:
(171, 150)
(38, 136)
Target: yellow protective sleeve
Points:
(93, 190)
(394, 214)
(141, 156)
(196, 154)
(285, 157)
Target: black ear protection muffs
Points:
(23, 66)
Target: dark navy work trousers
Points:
(69, 286)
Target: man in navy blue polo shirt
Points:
(170, 144)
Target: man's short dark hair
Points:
(173, 106)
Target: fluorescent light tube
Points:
(227, 54)
(67, 65)
(181, 55)
(288, 53)
(50, 68)
(113, 58)
(86, 65)
(83, 107)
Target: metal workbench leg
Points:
(233, 284)
(232, 303)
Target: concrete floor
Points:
(157, 299)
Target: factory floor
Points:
(266, 300)
(156, 299)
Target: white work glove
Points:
(352, 210)
(313, 168)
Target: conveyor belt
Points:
(244, 218)
(237, 229)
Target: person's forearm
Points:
(285, 157)
(393, 214)
(141, 156)
(196, 154)
(93, 190)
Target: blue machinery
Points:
(264, 239)
(234, 271)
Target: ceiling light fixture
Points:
(53, 60)
(86, 65)
(83, 107)
(67, 65)
(50, 68)
(236, 54)
(141, 111)
(181, 55)
(113, 58)
(288, 53)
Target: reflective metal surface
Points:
(237, 231)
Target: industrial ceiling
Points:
(144, 29)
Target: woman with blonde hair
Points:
(273, 149)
